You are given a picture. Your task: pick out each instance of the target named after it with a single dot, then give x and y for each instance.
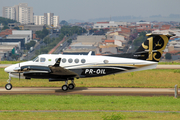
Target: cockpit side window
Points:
(36, 59)
(42, 59)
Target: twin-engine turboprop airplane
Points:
(67, 67)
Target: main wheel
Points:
(64, 87)
(8, 86)
(71, 86)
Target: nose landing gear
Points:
(8, 86)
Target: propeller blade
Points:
(19, 72)
(19, 76)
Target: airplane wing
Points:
(61, 71)
(53, 71)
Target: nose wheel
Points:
(8, 86)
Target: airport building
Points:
(111, 25)
(27, 33)
(84, 44)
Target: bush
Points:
(168, 56)
(113, 117)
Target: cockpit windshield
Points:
(36, 59)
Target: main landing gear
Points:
(8, 86)
(71, 86)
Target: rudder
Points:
(152, 48)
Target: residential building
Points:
(6, 32)
(9, 12)
(48, 19)
(21, 13)
(56, 21)
(38, 20)
(25, 13)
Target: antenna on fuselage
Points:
(90, 52)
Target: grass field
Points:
(149, 78)
(80, 102)
(169, 63)
(88, 116)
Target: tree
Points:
(43, 33)
(63, 22)
(140, 39)
(30, 44)
(168, 56)
(5, 21)
(17, 28)
(5, 27)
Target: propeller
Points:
(19, 72)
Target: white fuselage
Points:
(86, 62)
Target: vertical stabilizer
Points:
(152, 48)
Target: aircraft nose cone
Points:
(10, 68)
(7, 69)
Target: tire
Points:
(64, 87)
(8, 86)
(71, 86)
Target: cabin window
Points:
(64, 60)
(76, 60)
(70, 60)
(36, 59)
(42, 59)
(83, 61)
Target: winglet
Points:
(57, 63)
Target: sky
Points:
(91, 9)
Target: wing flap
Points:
(61, 71)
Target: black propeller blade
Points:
(19, 72)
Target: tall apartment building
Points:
(48, 19)
(21, 13)
(9, 12)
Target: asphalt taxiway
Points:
(91, 91)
